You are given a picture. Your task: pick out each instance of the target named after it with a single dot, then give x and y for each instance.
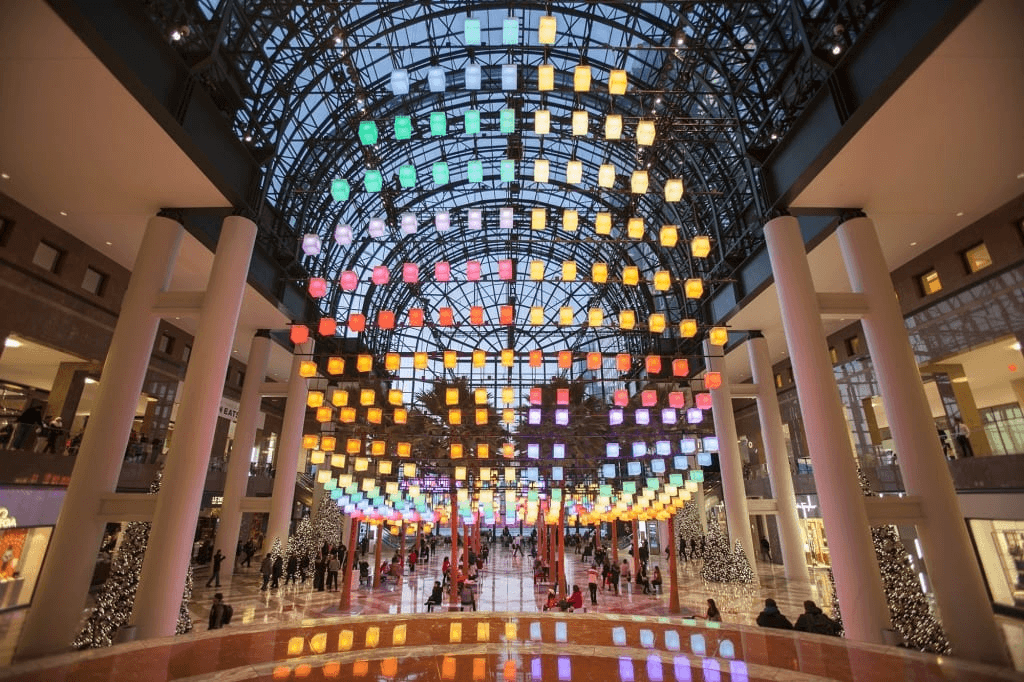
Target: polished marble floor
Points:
(505, 585)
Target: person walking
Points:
(592, 577)
(693, 548)
(333, 566)
(291, 569)
(962, 434)
(766, 550)
(220, 613)
(277, 570)
(266, 569)
(645, 553)
(771, 617)
(218, 558)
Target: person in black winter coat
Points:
(277, 571)
(814, 620)
(291, 569)
(771, 617)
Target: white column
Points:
(162, 578)
(56, 611)
(237, 478)
(288, 448)
(955, 575)
(779, 473)
(735, 492)
(702, 508)
(858, 581)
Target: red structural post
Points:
(673, 597)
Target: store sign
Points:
(6, 520)
(228, 409)
(217, 501)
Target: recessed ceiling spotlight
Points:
(1020, 176)
(913, 243)
(110, 243)
(836, 49)
(1015, 346)
(248, 138)
(657, 101)
(5, 176)
(959, 214)
(12, 343)
(64, 213)
(775, 136)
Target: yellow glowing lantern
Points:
(656, 323)
(630, 275)
(353, 446)
(450, 359)
(662, 280)
(460, 473)
(395, 396)
(673, 189)
(409, 470)
(569, 271)
(404, 449)
(378, 447)
(307, 369)
(451, 396)
(645, 133)
(570, 219)
(508, 357)
(480, 396)
(635, 228)
(400, 415)
(483, 451)
(595, 318)
(335, 365)
(542, 121)
(372, 637)
(580, 122)
(508, 415)
(613, 127)
(606, 175)
(339, 460)
(367, 397)
(339, 398)
(627, 319)
(347, 415)
(565, 315)
(479, 358)
(574, 173)
(364, 363)
(508, 395)
(688, 328)
(700, 246)
(545, 77)
(694, 288)
(328, 443)
(599, 273)
(617, 82)
(310, 441)
(638, 182)
(603, 223)
(419, 360)
(536, 270)
(315, 398)
(718, 336)
(392, 361)
(324, 414)
(668, 236)
(546, 30)
(374, 415)
(384, 469)
(538, 217)
(541, 170)
(536, 315)
(581, 78)
(455, 416)
(481, 417)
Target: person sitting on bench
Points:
(436, 596)
(364, 573)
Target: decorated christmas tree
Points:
(116, 597)
(302, 544)
(275, 549)
(688, 524)
(909, 610)
(739, 568)
(722, 564)
(327, 523)
(836, 615)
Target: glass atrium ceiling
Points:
(454, 95)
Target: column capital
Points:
(848, 214)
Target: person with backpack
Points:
(220, 613)
(813, 619)
(771, 617)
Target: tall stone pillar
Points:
(236, 481)
(56, 610)
(956, 577)
(858, 581)
(162, 579)
(289, 447)
(779, 473)
(733, 488)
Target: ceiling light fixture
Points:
(5, 176)
(913, 243)
(12, 343)
(836, 49)
(64, 213)
(110, 243)
(959, 214)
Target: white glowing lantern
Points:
(408, 223)
(475, 219)
(376, 227)
(311, 244)
(505, 217)
(343, 235)
(442, 221)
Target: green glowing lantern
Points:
(508, 121)
(440, 173)
(472, 31)
(475, 171)
(373, 181)
(438, 123)
(508, 170)
(510, 31)
(403, 127)
(368, 132)
(340, 189)
(407, 176)
(472, 122)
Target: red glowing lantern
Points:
(386, 319)
(476, 314)
(410, 273)
(703, 400)
(443, 272)
(445, 317)
(594, 360)
(357, 322)
(677, 399)
(680, 367)
(649, 398)
(712, 380)
(380, 274)
(328, 326)
(473, 270)
(562, 396)
(564, 359)
(299, 333)
(536, 395)
(506, 314)
(506, 271)
(623, 362)
(621, 397)
(415, 317)
(349, 280)
(317, 287)
(536, 358)
(653, 364)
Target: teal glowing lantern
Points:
(508, 170)
(407, 176)
(472, 122)
(472, 31)
(440, 173)
(368, 132)
(510, 31)
(340, 189)
(508, 121)
(475, 171)
(403, 127)
(438, 123)
(373, 181)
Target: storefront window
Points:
(1000, 546)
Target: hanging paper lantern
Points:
(680, 367)
(649, 397)
(594, 360)
(506, 270)
(335, 365)
(645, 132)
(536, 315)
(668, 416)
(506, 217)
(476, 314)
(349, 280)
(627, 319)
(508, 395)
(623, 362)
(479, 358)
(570, 220)
(694, 288)
(614, 417)
(328, 326)
(340, 189)
(700, 247)
(536, 358)
(311, 244)
(630, 275)
(606, 176)
(653, 364)
(564, 359)
(565, 315)
(451, 396)
(395, 396)
(364, 363)
(455, 416)
(635, 228)
(613, 127)
(475, 216)
(506, 315)
(656, 323)
(376, 228)
(307, 369)
(507, 357)
(357, 322)
(386, 319)
(410, 273)
(617, 82)
(380, 274)
(508, 415)
(450, 359)
(673, 189)
(419, 360)
(712, 380)
(621, 397)
(538, 218)
(299, 333)
(534, 416)
(702, 400)
(310, 441)
(367, 397)
(643, 417)
(595, 317)
(688, 328)
(442, 221)
(662, 280)
(443, 271)
(416, 317)
(400, 415)
(694, 415)
(541, 173)
(718, 336)
(343, 235)
(481, 419)
(545, 77)
(473, 270)
(347, 415)
(677, 399)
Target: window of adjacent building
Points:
(930, 283)
(186, 354)
(778, 381)
(94, 281)
(47, 257)
(853, 346)
(977, 258)
(166, 344)
(833, 355)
